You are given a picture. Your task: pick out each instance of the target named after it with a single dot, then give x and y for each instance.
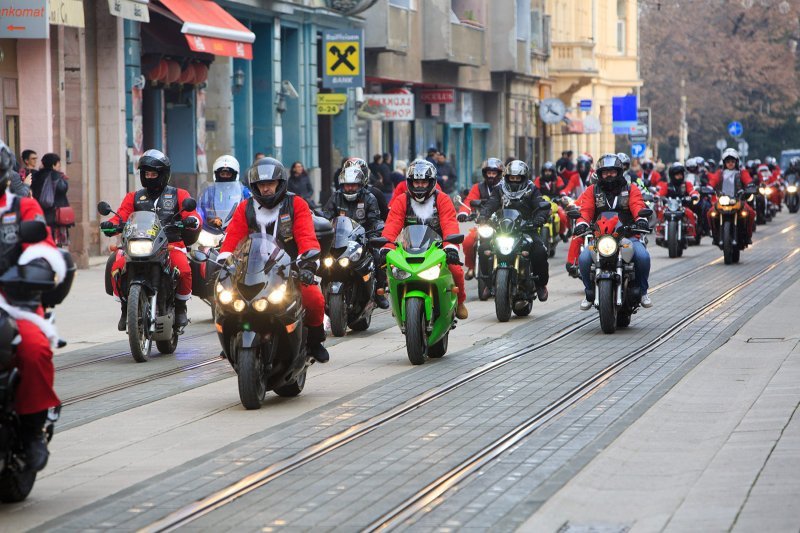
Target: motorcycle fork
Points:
(619, 282)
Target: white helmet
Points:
(227, 162)
(730, 153)
(353, 176)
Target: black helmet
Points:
(9, 339)
(675, 169)
(360, 164)
(517, 180)
(712, 165)
(647, 165)
(492, 164)
(548, 172)
(6, 164)
(25, 283)
(626, 161)
(267, 169)
(584, 166)
(421, 169)
(609, 162)
(154, 160)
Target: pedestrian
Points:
(300, 184)
(399, 173)
(386, 170)
(259, 155)
(49, 187)
(29, 159)
(431, 157)
(375, 170)
(446, 172)
(565, 162)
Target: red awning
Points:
(209, 28)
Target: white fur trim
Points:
(223, 256)
(50, 254)
(184, 297)
(424, 210)
(451, 245)
(44, 325)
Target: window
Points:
(523, 20)
(469, 12)
(622, 8)
(405, 4)
(537, 37)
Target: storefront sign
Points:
(343, 59)
(130, 9)
(330, 104)
(438, 96)
(390, 107)
(23, 20)
(66, 13)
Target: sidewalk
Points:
(719, 452)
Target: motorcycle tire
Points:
(139, 324)
(673, 244)
(623, 320)
(251, 383)
(523, 311)
(290, 390)
(416, 340)
(362, 324)
(697, 240)
(736, 254)
(15, 486)
(727, 242)
(338, 314)
(168, 347)
(793, 205)
(607, 308)
(438, 350)
(502, 295)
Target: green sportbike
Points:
(423, 293)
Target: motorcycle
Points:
(616, 291)
(422, 291)
(650, 197)
(761, 204)
(673, 229)
(348, 278)
(707, 196)
(792, 199)
(729, 224)
(149, 283)
(551, 230)
(484, 258)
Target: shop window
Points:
(470, 12)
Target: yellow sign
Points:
(342, 58)
(66, 13)
(331, 98)
(328, 109)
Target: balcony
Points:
(575, 57)
(447, 39)
(466, 45)
(388, 28)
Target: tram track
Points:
(274, 471)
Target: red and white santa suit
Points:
(402, 188)
(664, 191)
(479, 191)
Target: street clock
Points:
(552, 110)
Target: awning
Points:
(209, 28)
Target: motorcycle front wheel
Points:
(502, 295)
(15, 486)
(139, 324)
(727, 242)
(607, 307)
(338, 314)
(251, 383)
(290, 390)
(673, 243)
(416, 340)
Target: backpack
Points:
(47, 196)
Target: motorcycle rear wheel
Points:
(607, 308)
(290, 390)
(251, 383)
(338, 314)
(15, 486)
(139, 324)
(416, 340)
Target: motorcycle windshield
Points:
(417, 238)
(507, 218)
(608, 222)
(345, 229)
(220, 199)
(142, 225)
(792, 179)
(258, 255)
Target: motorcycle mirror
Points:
(199, 256)
(456, 238)
(378, 242)
(475, 204)
(646, 212)
(103, 208)
(32, 231)
(574, 215)
(189, 204)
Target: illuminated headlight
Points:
(277, 295)
(356, 255)
(344, 262)
(725, 200)
(238, 306)
(764, 190)
(432, 273)
(208, 240)
(140, 247)
(485, 231)
(607, 246)
(260, 305)
(225, 296)
(399, 273)
(791, 188)
(328, 262)
(505, 244)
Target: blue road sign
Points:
(638, 149)
(585, 105)
(735, 129)
(624, 113)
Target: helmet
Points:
(771, 162)
(267, 169)
(647, 165)
(548, 172)
(492, 164)
(359, 163)
(730, 153)
(154, 160)
(609, 162)
(351, 176)
(6, 164)
(421, 169)
(226, 162)
(712, 165)
(516, 181)
(626, 161)
(794, 163)
(675, 169)
(584, 166)
(700, 162)
(691, 165)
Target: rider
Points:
(550, 185)
(577, 181)
(273, 210)
(650, 176)
(516, 191)
(612, 193)
(732, 180)
(630, 176)
(217, 198)
(380, 198)
(34, 336)
(165, 201)
(678, 187)
(352, 200)
(424, 203)
(491, 170)
(588, 177)
(691, 171)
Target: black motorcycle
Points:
(792, 198)
(148, 286)
(348, 278)
(484, 255)
(729, 224)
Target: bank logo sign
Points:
(344, 59)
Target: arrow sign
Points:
(638, 149)
(15, 28)
(735, 129)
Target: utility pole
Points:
(683, 135)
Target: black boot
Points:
(316, 336)
(381, 301)
(181, 318)
(122, 325)
(34, 441)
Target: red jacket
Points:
(302, 227)
(127, 207)
(715, 180)
(559, 185)
(396, 220)
(402, 188)
(655, 177)
(571, 180)
(474, 194)
(586, 201)
(663, 187)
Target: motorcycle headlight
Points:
(485, 231)
(432, 273)
(607, 246)
(328, 262)
(791, 188)
(140, 247)
(725, 200)
(239, 306)
(225, 296)
(767, 191)
(277, 296)
(357, 253)
(399, 273)
(505, 245)
(344, 262)
(260, 305)
(763, 190)
(208, 240)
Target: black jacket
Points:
(60, 198)
(301, 186)
(528, 206)
(363, 210)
